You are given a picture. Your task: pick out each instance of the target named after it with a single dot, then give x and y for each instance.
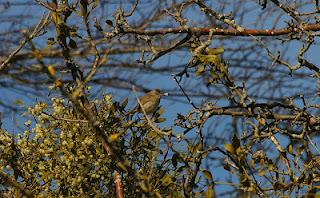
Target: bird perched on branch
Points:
(150, 102)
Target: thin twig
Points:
(174, 46)
(184, 93)
(42, 23)
(313, 144)
(132, 9)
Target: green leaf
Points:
(18, 102)
(290, 149)
(200, 69)
(229, 148)
(114, 136)
(161, 110)
(262, 173)
(210, 59)
(152, 134)
(196, 148)
(27, 123)
(251, 164)
(209, 192)
(166, 180)
(215, 51)
(262, 162)
(207, 175)
(159, 120)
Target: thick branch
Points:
(224, 32)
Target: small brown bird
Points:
(150, 101)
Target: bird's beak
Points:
(165, 94)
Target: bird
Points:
(150, 102)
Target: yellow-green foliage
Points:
(59, 155)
